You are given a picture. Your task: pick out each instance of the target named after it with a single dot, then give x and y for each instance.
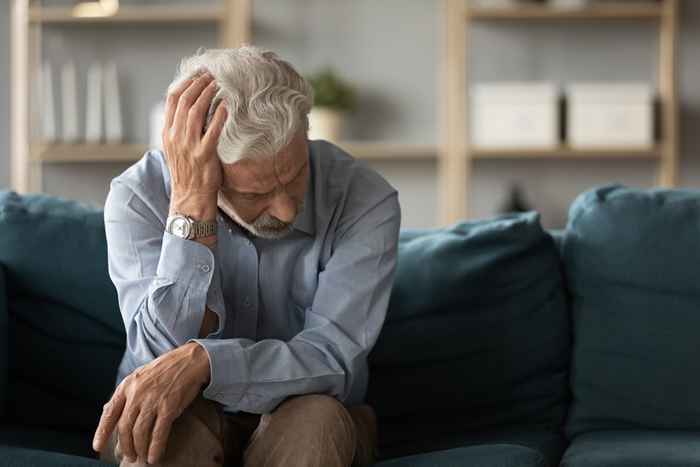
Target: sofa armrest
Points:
(4, 339)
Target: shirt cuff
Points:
(185, 269)
(229, 373)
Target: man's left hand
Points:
(148, 401)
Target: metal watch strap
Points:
(203, 229)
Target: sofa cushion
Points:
(632, 258)
(477, 328)
(66, 334)
(4, 337)
(634, 449)
(21, 457)
(497, 455)
(77, 443)
(413, 437)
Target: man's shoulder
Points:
(147, 180)
(346, 177)
(148, 173)
(349, 187)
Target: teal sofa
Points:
(504, 345)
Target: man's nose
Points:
(283, 207)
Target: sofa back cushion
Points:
(4, 336)
(66, 336)
(477, 330)
(632, 259)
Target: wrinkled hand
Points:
(191, 153)
(148, 401)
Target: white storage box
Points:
(610, 115)
(515, 115)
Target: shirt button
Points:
(246, 302)
(204, 267)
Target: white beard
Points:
(261, 227)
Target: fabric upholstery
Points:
(634, 449)
(426, 437)
(497, 455)
(65, 331)
(77, 443)
(21, 457)
(477, 329)
(4, 337)
(631, 260)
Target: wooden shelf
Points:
(131, 14)
(85, 152)
(610, 11)
(389, 150)
(565, 152)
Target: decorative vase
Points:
(326, 123)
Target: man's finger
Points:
(198, 112)
(171, 101)
(186, 100)
(159, 439)
(142, 432)
(211, 137)
(111, 412)
(126, 429)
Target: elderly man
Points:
(253, 269)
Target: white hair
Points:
(267, 100)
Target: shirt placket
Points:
(247, 316)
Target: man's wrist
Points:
(200, 359)
(200, 207)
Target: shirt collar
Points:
(306, 220)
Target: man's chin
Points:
(270, 234)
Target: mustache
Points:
(270, 223)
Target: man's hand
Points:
(191, 153)
(147, 402)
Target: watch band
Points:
(203, 229)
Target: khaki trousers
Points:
(312, 430)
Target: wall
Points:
(390, 50)
(4, 93)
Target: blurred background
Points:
(469, 108)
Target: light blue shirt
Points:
(297, 315)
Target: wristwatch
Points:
(184, 226)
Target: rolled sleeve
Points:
(340, 328)
(164, 283)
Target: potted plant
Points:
(333, 99)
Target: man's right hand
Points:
(191, 154)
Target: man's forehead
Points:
(264, 173)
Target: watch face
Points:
(180, 227)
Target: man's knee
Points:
(318, 406)
(196, 438)
(312, 429)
